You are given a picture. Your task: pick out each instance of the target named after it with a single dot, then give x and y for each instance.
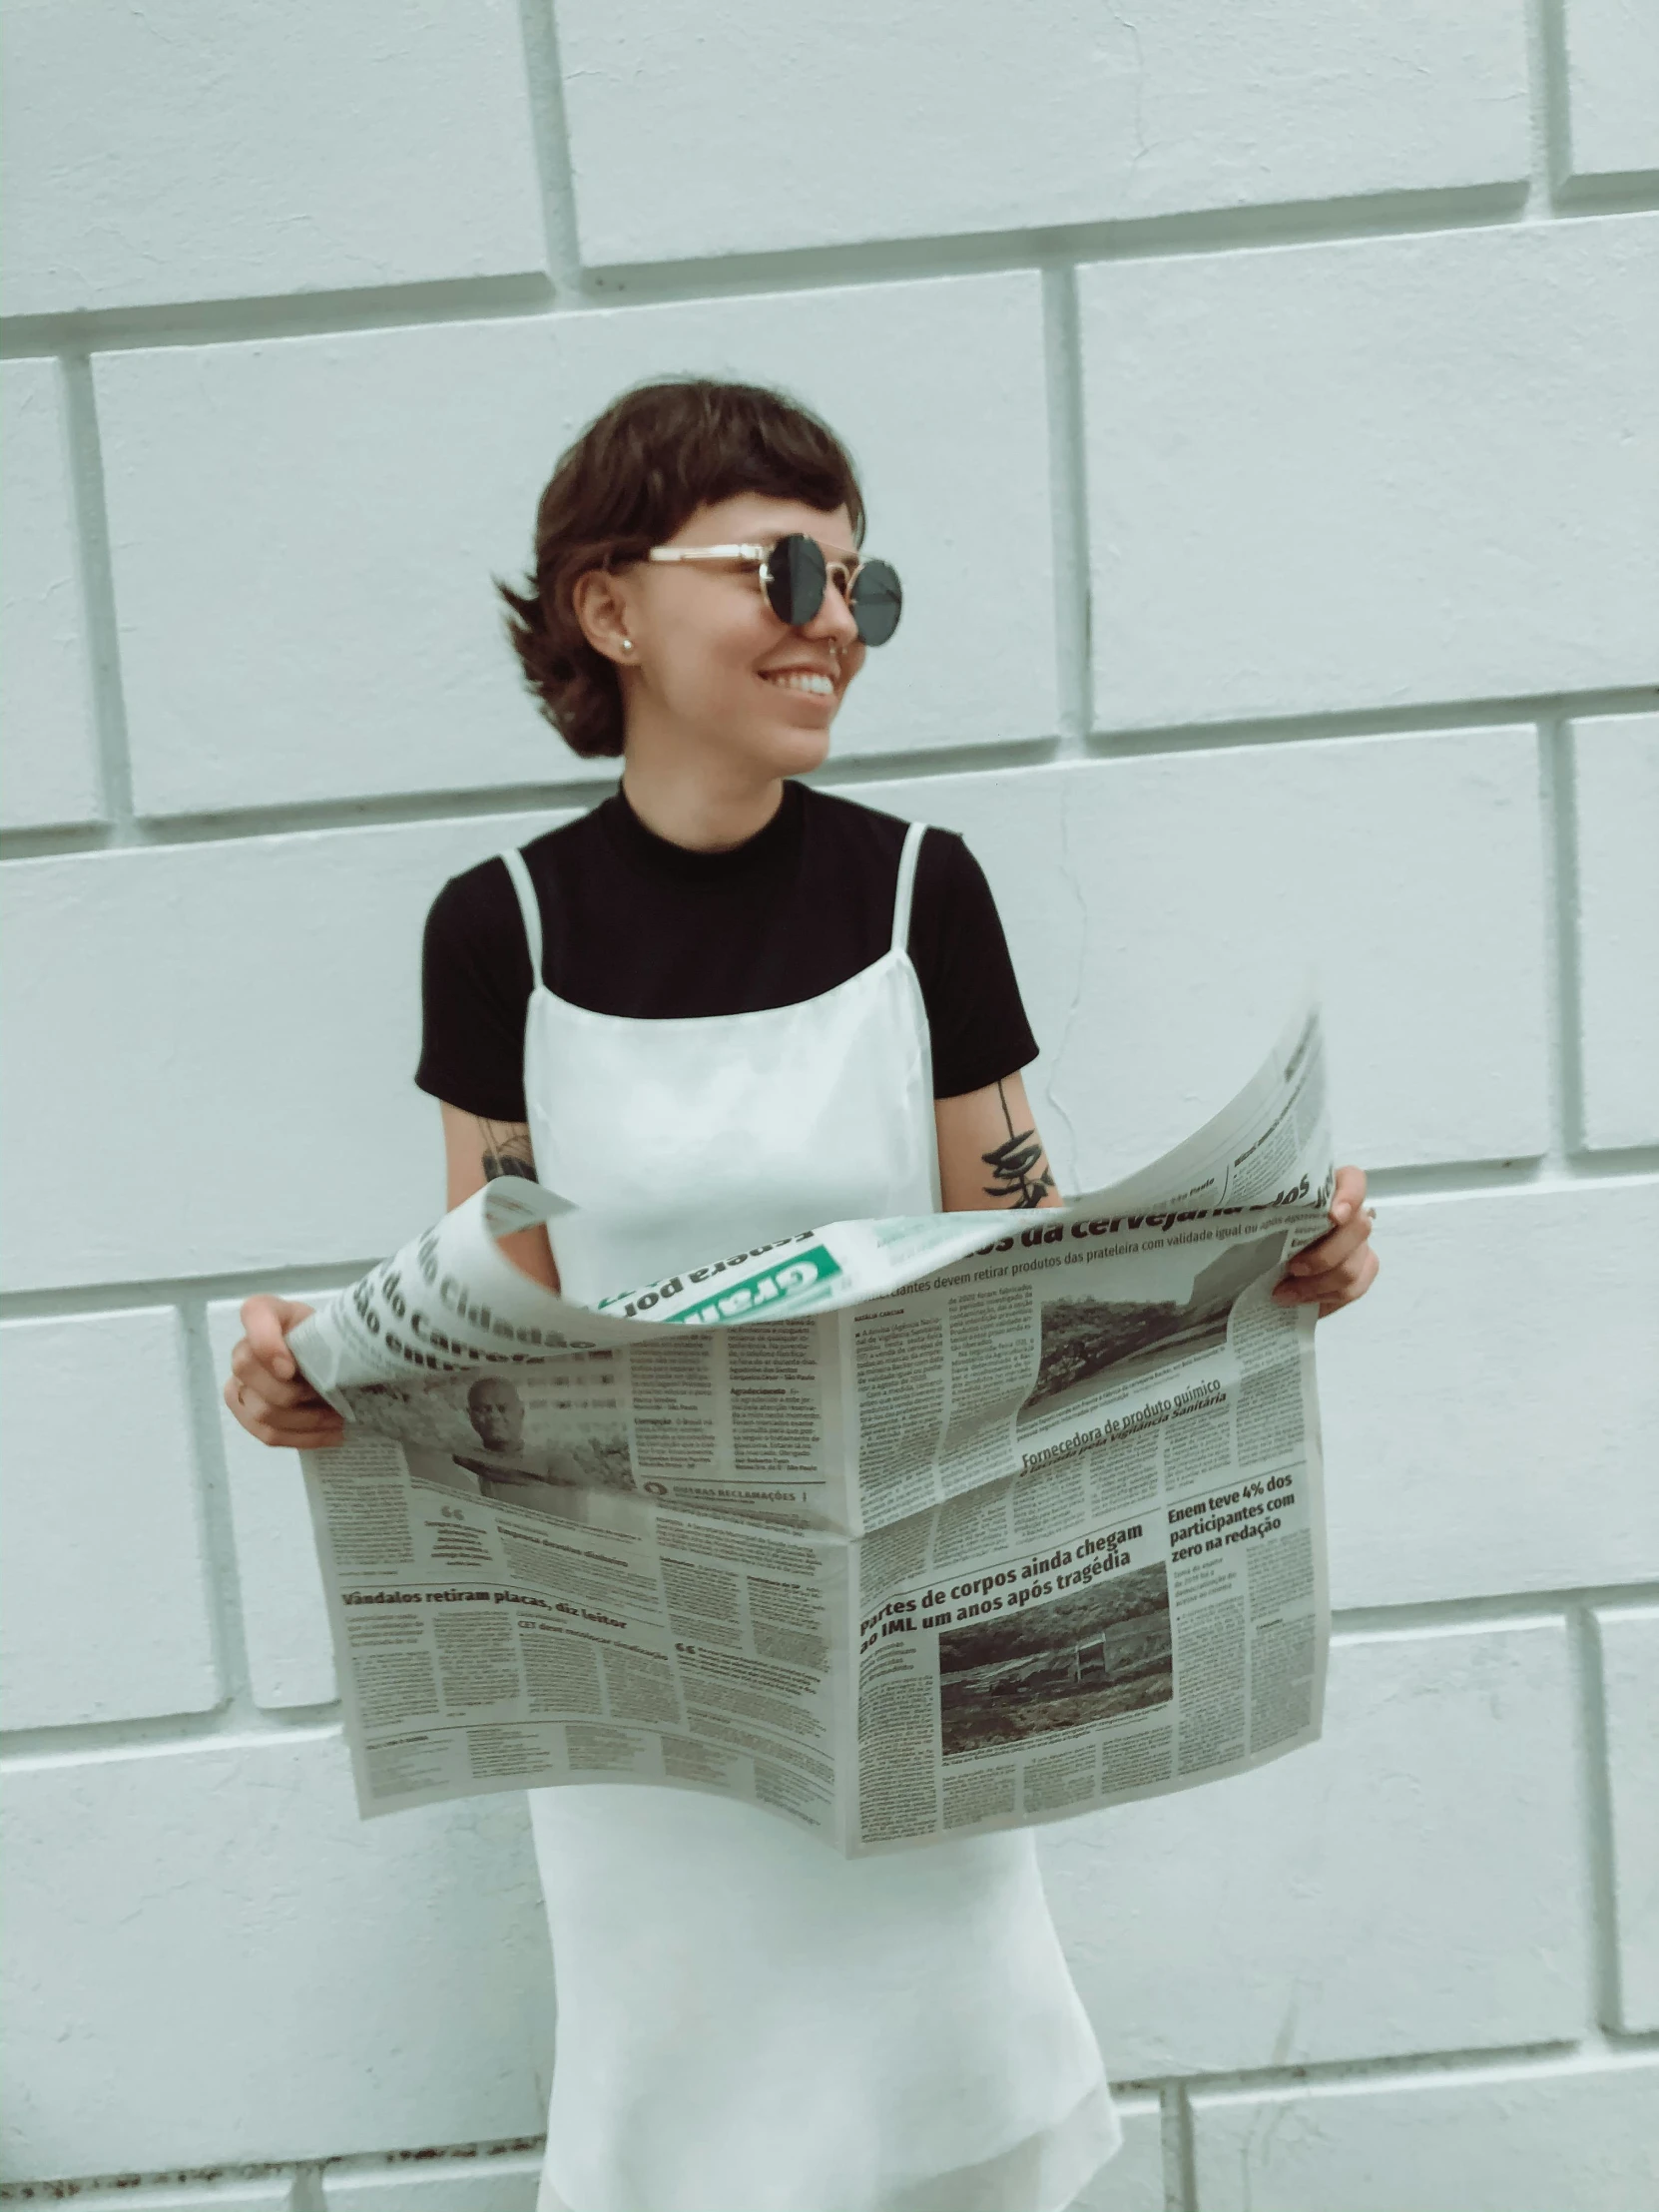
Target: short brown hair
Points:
(636, 475)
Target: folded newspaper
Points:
(903, 1528)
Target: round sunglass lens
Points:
(795, 578)
(877, 602)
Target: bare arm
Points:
(475, 1152)
(991, 1154)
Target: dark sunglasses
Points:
(794, 574)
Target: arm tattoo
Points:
(1022, 1173)
(504, 1148)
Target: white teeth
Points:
(794, 679)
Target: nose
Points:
(833, 622)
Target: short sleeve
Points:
(975, 1010)
(474, 990)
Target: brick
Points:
(290, 1660)
(45, 692)
(1612, 87)
(173, 153)
(273, 2195)
(1617, 789)
(1372, 472)
(1159, 914)
(221, 1961)
(1133, 2181)
(332, 631)
(1522, 2138)
(1629, 1645)
(482, 2184)
(291, 1024)
(1409, 1884)
(1509, 1337)
(103, 1525)
(1082, 117)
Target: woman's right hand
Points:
(267, 1392)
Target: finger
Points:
(1366, 1278)
(250, 1371)
(1342, 1285)
(1332, 1283)
(300, 1427)
(268, 1322)
(1348, 1194)
(254, 1409)
(1330, 1250)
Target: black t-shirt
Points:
(635, 926)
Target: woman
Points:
(719, 1007)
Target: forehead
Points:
(752, 517)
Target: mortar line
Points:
(1537, 1173)
(212, 1492)
(1069, 505)
(690, 281)
(1180, 2150)
(72, 1744)
(1558, 766)
(1552, 105)
(1448, 1181)
(97, 586)
(1497, 1609)
(1596, 1772)
(1431, 2067)
(61, 1301)
(1539, 102)
(387, 809)
(550, 134)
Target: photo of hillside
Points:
(1083, 1337)
(1088, 1656)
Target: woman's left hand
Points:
(1340, 1267)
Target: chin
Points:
(788, 749)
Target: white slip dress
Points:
(747, 2020)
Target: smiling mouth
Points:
(800, 679)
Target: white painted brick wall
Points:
(178, 152)
(1086, 117)
(502, 2184)
(1616, 768)
(1259, 405)
(1407, 1884)
(1304, 497)
(237, 1969)
(1628, 1638)
(275, 2195)
(103, 1525)
(45, 682)
(1511, 2139)
(1612, 51)
(1511, 1336)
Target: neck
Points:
(705, 805)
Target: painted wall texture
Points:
(1260, 404)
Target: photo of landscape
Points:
(1083, 1337)
(1103, 1650)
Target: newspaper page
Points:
(900, 1528)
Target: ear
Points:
(600, 606)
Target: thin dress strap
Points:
(907, 884)
(530, 908)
